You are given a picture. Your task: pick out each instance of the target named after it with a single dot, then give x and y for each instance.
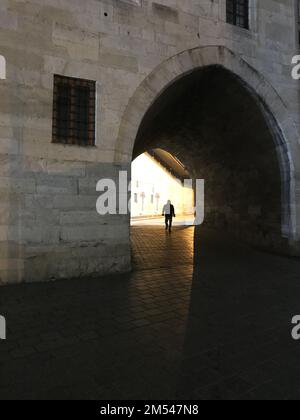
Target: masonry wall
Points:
(49, 227)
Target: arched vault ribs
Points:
(199, 108)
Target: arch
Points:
(274, 109)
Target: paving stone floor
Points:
(209, 324)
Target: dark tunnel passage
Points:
(218, 128)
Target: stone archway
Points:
(272, 109)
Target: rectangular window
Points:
(237, 12)
(298, 20)
(74, 111)
(135, 198)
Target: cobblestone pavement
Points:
(218, 327)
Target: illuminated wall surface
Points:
(153, 186)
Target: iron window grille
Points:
(298, 20)
(74, 111)
(237, 12)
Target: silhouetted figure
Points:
(169, 213)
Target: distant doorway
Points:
(158, 176)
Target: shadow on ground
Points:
(210, 321)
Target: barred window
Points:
(74, 109)
(237, 12)
(298, 20)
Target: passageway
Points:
(213, 123)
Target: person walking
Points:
(169, 213)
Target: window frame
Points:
(76, 129)
(234, 16)
(297, 13)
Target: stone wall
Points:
(49, 227)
